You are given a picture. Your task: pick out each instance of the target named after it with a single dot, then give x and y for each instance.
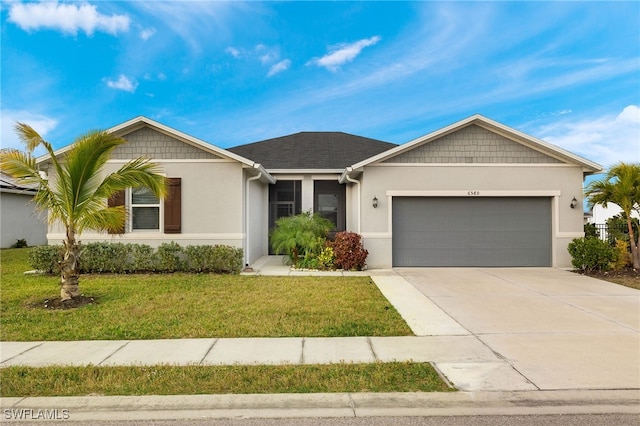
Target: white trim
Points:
(473, 193)
(166, 160)
(569, 234)
(29, 192)
(305, 171)
(377, 235)
(150, 236)
(519, 165)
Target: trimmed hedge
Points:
(119, 258)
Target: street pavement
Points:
(512, 340)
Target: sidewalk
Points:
(487, 381)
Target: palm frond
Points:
(137, 172)
(28, 136)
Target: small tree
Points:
(300, 236)
(78, 196)
(620, 186)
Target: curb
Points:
(95, 408)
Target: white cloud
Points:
(68, 18)
(123, 83)
(41, 123)
(232, 51)
(279, 67)
(342, 53)
(147, 33)
(605, 140)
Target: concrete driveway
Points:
(557, 329)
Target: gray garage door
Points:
(478, 231)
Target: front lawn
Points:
(192, 306)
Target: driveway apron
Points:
(559, 330)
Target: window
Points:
(145, 210)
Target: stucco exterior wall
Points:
(19, 220)
(212, 206)
(257, 210)
(386, 181)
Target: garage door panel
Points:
(491, 231)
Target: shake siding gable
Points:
(149, 143)
(472, 144)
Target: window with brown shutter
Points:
(173, 206)
(117, 199)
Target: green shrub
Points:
(20, 243)
(46, 258)
(227, 259)
(349, 252)
(199, 258)
(170, 257)
(591, 253)
(300, 237)
(142, 258)
(104, 257)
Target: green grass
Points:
(169, 380)
(192, 306)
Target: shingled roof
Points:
(312, 150)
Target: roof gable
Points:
(472, 144)
(524, 148)
(312, 151)
(154, 140)
(149, 142)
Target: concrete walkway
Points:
(495, 331)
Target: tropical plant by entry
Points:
(300, 237)
(621, 186)
(77, 196)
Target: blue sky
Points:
(234, 73)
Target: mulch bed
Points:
(621, 273)
(57, 304)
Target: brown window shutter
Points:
(173, 206)
(116, 200)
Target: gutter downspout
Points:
(357, 182)
(246, 215)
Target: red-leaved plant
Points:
(349, 253)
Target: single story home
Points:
(19, 219)
(475, 193)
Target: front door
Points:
(330, 203)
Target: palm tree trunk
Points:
(635, 258)
(69, 280)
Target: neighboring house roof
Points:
(330, 151)
(588, 167)
(9, 184)
(141, 121)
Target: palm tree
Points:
(620, 186)
(77, 196)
